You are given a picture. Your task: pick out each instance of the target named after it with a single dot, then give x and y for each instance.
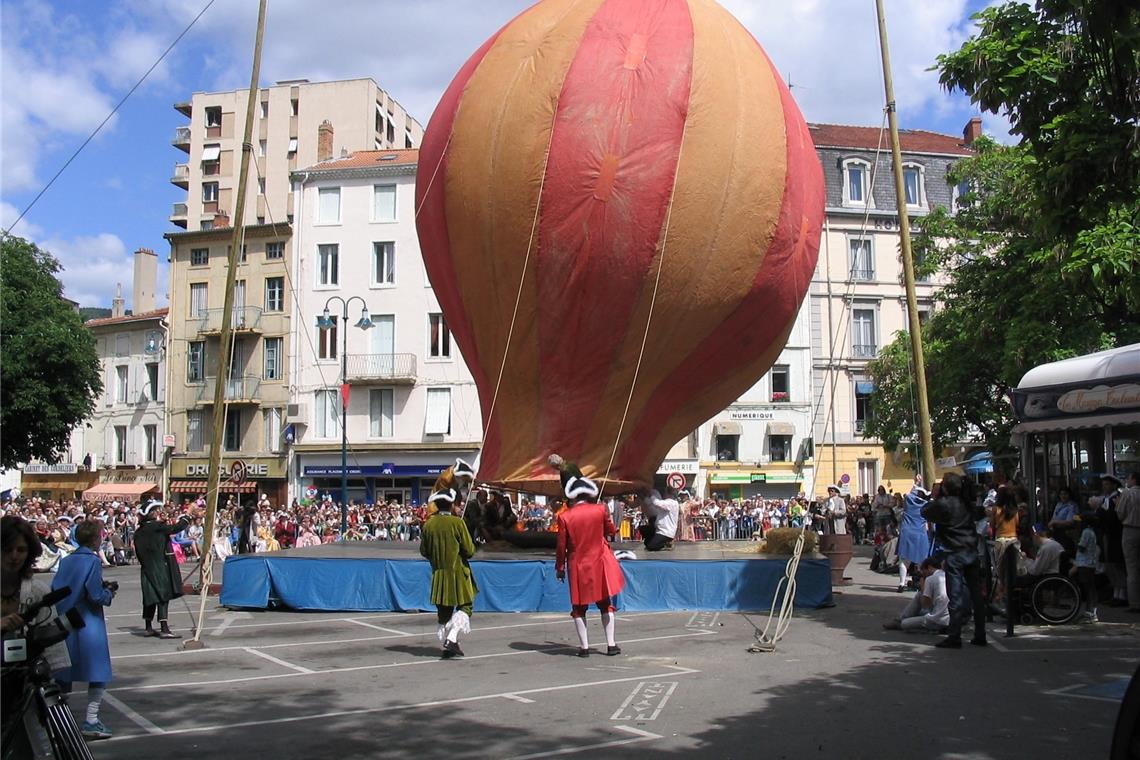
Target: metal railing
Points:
(179, 211)
(381, 367)
(238, 388)
(244, 318)
(181, 173)
(861, 274)
(864, 350)
(181, 136)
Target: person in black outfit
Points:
(247, 535)
(955, 518)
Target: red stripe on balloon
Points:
(745, 334)
(431, 227)
(613, 157)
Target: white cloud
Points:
(92, 266)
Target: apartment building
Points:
(257, 387)
(412, 403)
(284, 138)
(858, 298)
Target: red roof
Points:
(366, 158)
(156, 314)
(867, 138)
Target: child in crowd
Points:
(1084, 568)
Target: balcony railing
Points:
(381, 368)
(864, 351)
(181, 176)
(244, 319)
(239, 390)
(181, 138)
(861, 274)
(780, 397)
(179, 211)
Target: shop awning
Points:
(1075, 423)
(727, 428)
(200, 486)
(1090, 368)
(754, 476)
(118, 491)
(781, 428)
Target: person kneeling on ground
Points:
(661, 529)
(929, 608)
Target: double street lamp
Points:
(327, 322)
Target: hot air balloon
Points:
(619, 208)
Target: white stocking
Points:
(459, 623)
(442, 633)
(902, 573)
(608, 626)
(583, 638)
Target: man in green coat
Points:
(161, 579)
(447, 545)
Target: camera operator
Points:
(90, 653)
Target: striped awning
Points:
(118, 491)
(200, 486)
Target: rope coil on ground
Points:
(766, 639)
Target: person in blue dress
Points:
(914, 539)
(82, 572)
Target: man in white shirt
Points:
(929, 609)
(1048, 559)
(661, 529)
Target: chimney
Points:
(221, 220)
(973, 130)
(146, 281)
(118, 307)
(324, 141)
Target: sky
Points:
(64, 64)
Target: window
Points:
(209, 192)
(326, 413)
(380, 412)
(440, 337)
(207, 224)
(728, 448)
(438, 421)
(261, 185)
(384, 203)
(231, 440)
(326, 340)
(214, 116)
(294, 107)
(868, 475)
(856, 179)
(262, 148)
(195, 361)
(194, 430)
(328, 205)
(120, 444)
(122, 345)
(913, 184)
(383, 264)
(265, 109)
(150, 443)
(199, 257)
(781, 390)
(328, 264)
(241, 256)
(152, 381)
(211, 154)
(275, 250)
(390, 133)
(863, 391)
(961, 196)
(121, 384)
(271, 426)
(272, 363)
(780, 448)
(274, 293)
(198, 296)
(863, 341)
(862, 262)
(292, 146)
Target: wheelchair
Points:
(1051, 599)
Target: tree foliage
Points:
(1042, 253)
(49, 370)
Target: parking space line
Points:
(517, 698)
(278, 661)
(673, 672)
(134, 717)
(638, 736)
(381, 666)
(379, 627)
(223, 611)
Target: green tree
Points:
(1042, 253)
(49, 371)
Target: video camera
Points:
(40, 636)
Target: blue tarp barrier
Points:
(385, 585)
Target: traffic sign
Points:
(237, 472)
(844, 478)
(675, 480)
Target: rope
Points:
(766, 639)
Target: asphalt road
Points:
(301, 685)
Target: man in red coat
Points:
(595, 576)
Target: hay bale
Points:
(783, 541)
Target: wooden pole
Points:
(925, 436)
(225, 343)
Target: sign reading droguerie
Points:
(246, 469)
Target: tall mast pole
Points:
(225, 344)
(925, 436)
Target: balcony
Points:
(381, 369)
(181, 139)
(181, 176)
(781, 397)
(185, 108)
(864, 351)
(245, 319)
(239, 390)
(178, 215)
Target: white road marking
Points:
(517, 698)
(278, 661)
(639, 736)
(1069, 691)
(674, 671)
(137, 719)
(356, 668)
(274, 624)
(703, 620)
(646, 701)
(380, 628)
(228, 619)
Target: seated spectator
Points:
(929, 608)
(1048, 559)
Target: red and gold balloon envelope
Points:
(629, 163)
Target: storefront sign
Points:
(1101, 397)
(253, 469)
(685, 466)
(51, 469)
(378, 471)
(749, 414)
(131, 476)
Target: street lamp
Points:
(325, 322)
